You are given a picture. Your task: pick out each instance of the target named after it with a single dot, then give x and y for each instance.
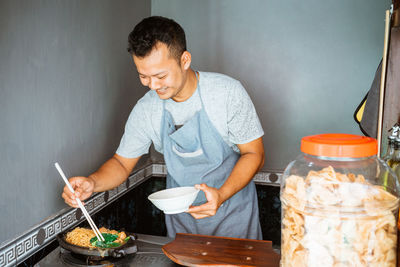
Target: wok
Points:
(116, 252)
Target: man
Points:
(203, 123)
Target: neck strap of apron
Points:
(198, 88)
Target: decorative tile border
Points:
(16, 251)
(8, 255)
(159, 170)
(263, 178)
(268, 178)
(24, 246)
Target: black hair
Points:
(152, 30)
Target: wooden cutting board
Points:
(202, 250)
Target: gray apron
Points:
(195, 154)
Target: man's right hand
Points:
(83, 187)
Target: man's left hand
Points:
(210, 208)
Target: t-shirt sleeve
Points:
(136, 141)
(243, 123)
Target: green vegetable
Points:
(107, 243)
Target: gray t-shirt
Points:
(226, 103)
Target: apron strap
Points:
(198, 88)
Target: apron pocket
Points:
(193, 154)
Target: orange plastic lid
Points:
(339, 145)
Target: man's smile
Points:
(162, 91)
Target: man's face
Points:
(161, 72)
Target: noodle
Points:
(81, 236)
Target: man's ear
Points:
(186, 60)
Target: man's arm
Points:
(113, 172)
(250, 162)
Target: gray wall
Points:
(67, 83)
(67, 86)
(306, 64)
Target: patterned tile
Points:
(130, 181)
(26, 245)
(121, 188)
(165, 170)
(51, 229)
(98, 201)
(268, 178)
(68, 219)
(43, 234)
(138, 177)
(89, 205)
(140, 173)
(158, 170)
(148, 171)
(113, 193)
(8, 255)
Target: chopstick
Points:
(84, 211)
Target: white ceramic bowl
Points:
(174, 200)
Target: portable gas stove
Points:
(149, 254)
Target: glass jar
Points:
(339, 204)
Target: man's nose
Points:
(153, 84)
